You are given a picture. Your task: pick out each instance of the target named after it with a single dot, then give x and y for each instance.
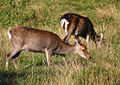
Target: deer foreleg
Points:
(48, 56)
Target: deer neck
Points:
(94, 36)
(65, 48)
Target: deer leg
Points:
(77, 38)
(68, 35)
(67, 38)
(88, 39)
(66, 41)
(15, 53)
(14, 59)
(48, 55)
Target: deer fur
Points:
(36, 40)
(77, 25)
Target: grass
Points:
(101, 69)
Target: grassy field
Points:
(102, 69)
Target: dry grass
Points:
(108, 11)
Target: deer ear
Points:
(77, 42)
(101, 35)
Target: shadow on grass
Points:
(10, 78)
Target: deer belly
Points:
(34, 48)
(81, 34)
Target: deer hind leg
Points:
(14, 59)
(67, 38)
(48, 56)
(15, 53)
(68, 35)
(88, 39)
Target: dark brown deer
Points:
(36, 40)
(77, 25)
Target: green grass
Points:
(102, 69)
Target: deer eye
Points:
(83, 50)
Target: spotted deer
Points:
(36, 40)
(77, 25)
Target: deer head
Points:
(100, 41)
(81, 49)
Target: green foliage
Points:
(101, 69)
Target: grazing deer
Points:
(74, 24)
(36, 40)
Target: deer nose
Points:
(88, 56)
